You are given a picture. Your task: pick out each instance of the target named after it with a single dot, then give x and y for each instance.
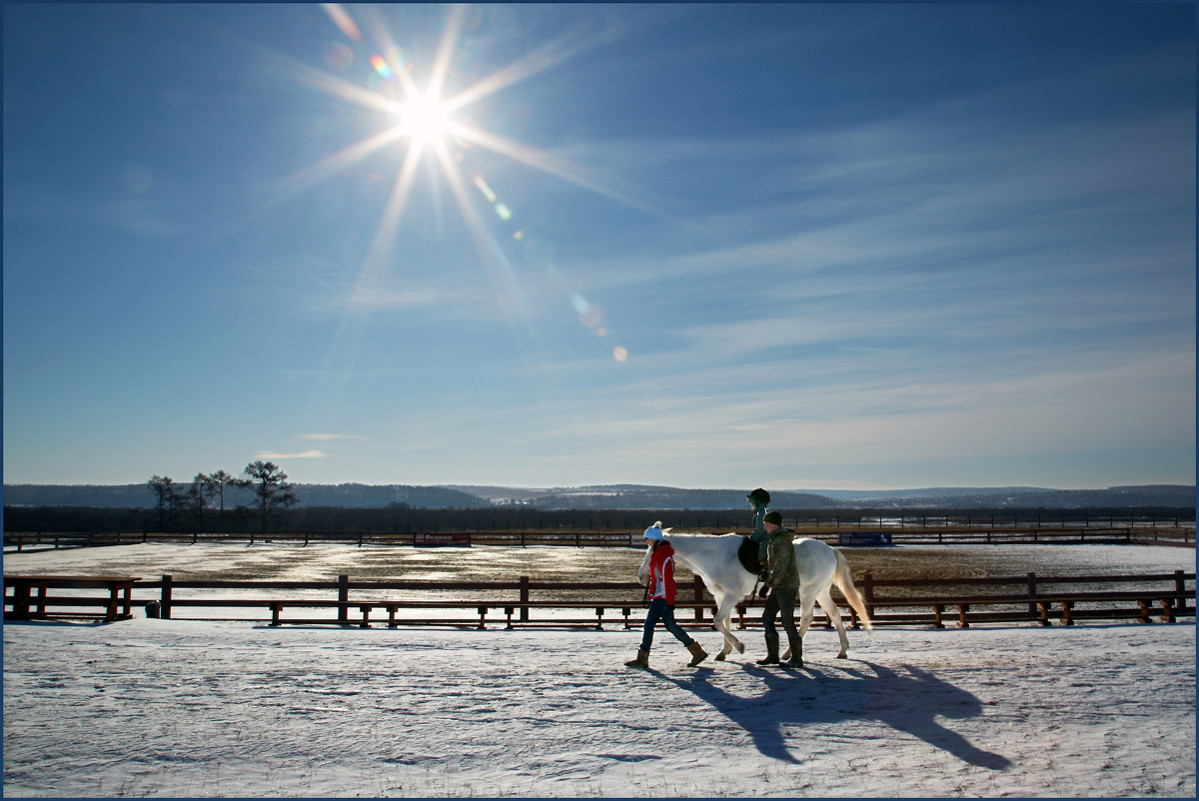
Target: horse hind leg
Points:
(834, 614)
(807, 609)
(807, 605)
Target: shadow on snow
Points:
(909, 702)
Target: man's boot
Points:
(796, 660)
(642, 660)
(697, 653)
(772, 650)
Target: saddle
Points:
(747, 554)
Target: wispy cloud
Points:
(301, 455)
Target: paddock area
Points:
(185, 708)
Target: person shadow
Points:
(909, 700)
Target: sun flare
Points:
(430, 123)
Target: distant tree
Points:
(199, 494)
(167, 494)
(219, 480)
(271, 490)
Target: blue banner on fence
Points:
(864, 538)
(460, 539)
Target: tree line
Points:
(401, 518)
(266, 480)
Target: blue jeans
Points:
(658, 610)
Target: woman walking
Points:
(661, 606)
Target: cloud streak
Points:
(312, 454)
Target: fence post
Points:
(165, 611)
(1032, 593)
(343, 598)
(868, 592)
(524, 598)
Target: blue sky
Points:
(791, 246)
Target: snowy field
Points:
(187, 709)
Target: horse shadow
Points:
(909, 701)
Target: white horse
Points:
(714, 559)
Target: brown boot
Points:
(697, 653)
(642, 660)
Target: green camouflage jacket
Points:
(780, 559)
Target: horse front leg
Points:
(724, 612)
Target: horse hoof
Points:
(842, 656)
(740, 647)
(719, 657)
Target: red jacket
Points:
(661, 573)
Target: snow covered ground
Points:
(153, 707)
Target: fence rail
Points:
(524, 602)
(908, 535)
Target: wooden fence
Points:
(525, 603)
(909, 535)
(29, 598)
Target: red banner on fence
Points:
(460, 539)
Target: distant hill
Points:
(1159, 495)
(630, 496)
(638, 496)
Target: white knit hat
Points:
(654, 533)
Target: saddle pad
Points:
(748, 555)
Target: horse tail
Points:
(844, 581)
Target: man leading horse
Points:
(780, 588)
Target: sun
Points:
(425, 120)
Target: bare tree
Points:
(199, 494)
(164, 489)
(219, 480)
(271, 489)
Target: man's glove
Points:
(765, 591)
